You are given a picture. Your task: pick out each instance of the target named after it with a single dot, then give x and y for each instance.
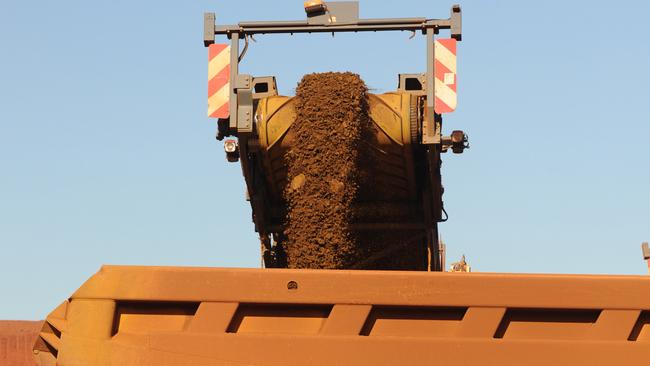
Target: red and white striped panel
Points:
(444, 69)
(218, 80)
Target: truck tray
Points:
(129, 315)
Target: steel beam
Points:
(362, 25)
(234, 71)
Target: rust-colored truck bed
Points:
(17, 340)
(128, 315)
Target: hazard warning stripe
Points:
(445, 98)
(445, 50)
(445, 75)
(218, 80)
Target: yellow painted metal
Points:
(389, 111)
(391, 116)
(274, 116)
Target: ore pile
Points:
(331, 112)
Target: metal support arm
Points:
(453, 23)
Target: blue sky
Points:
(107, 156)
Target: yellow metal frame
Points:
(389, 111)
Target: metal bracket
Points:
(243, 81)
(209, 20)
(456, 23)
(415, 84)
(244, 92)
(245, 111)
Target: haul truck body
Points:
(218, 316)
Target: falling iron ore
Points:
(331, 112)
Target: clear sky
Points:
(107, 156)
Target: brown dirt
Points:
(16, 342)
(331, 184)
(331, 112)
